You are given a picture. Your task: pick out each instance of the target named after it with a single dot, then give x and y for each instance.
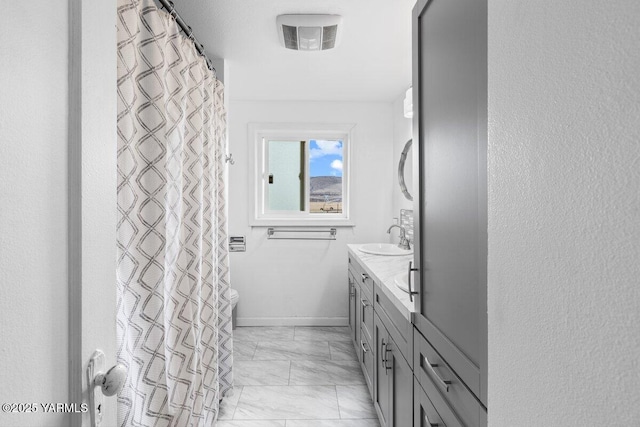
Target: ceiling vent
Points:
(309, 32)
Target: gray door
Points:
(381, 382)
(352, 308)
(357, 310)
(450, 85)
(401, 388)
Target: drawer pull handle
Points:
(364, 348)
(445, 383)
(386, 359)
(364, 303)
(364, 277)
(384, 349)
(429, 423)
(411, 293)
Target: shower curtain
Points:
(174, 307)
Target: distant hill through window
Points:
(325, 194)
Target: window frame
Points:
(257, 134)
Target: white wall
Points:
(33, 213)
(402, 132)
(564, 229)
(301, 281)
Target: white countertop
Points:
(383, 269)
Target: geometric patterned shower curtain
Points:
(174, 307)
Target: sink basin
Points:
(387, 249)
(401, 282)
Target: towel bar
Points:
(272, 233)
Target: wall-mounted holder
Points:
(237, 244)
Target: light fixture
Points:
(309, 32)
(408, 103)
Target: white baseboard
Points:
(293, 321)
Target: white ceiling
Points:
(372, 63)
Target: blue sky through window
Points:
(325, 158)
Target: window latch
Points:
(270, 178)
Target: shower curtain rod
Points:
(167, 4)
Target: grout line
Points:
(337, 401)
(255, 350)
(237, 404)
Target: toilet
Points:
(235, 296)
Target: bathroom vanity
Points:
(409, 382)
(382, 333)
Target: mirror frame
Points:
(403, 159)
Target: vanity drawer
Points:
(455, 404)
(354, 310)
(362, 277)
(367, 359)
(366, 316)
(424, 413)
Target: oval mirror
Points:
(405, 168)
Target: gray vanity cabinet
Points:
(354, 297)
(450, 223)
(393, 337)
(361, 318)
(393, 396)
(367, 351)
(381, 394)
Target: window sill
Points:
(303, 222)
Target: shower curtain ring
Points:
(173, 13)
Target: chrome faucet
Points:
(404, 242)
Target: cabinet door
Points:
(450, 119)
(353, 324)
(366, 315)
(381, 375)
(401, 387)
(356, 324)
(367, 357)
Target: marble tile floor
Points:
(296, 377)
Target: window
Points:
(301, 174)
